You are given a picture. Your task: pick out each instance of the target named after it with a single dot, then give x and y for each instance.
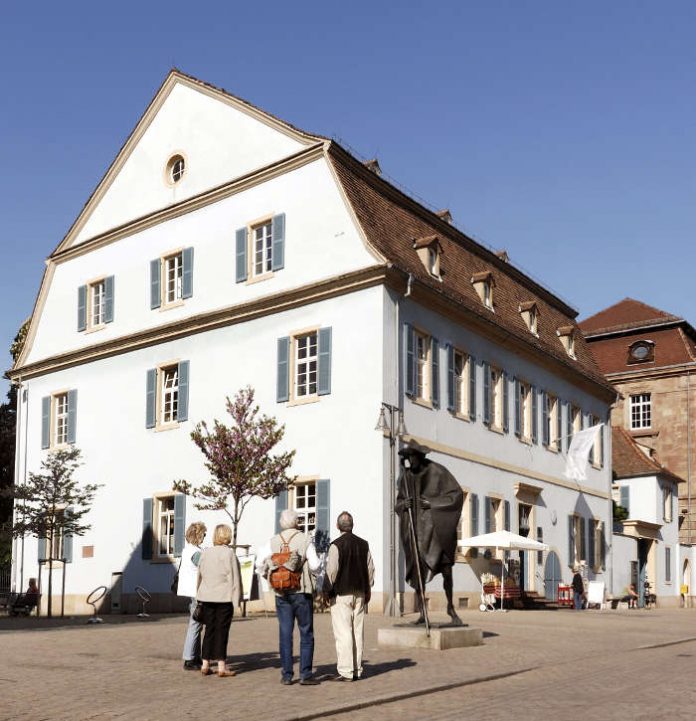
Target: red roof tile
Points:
(629, 461)
(625, 314)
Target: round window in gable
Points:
(176, 167)
(641, 351)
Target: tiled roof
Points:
(624, 315)
(629, 461)
(391, 220)
(672, 347)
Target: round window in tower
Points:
(176, 167)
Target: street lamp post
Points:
(391, 425)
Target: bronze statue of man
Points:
(435, 499)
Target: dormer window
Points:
(567, 335)
(530, 316)
(429, 251)
(484, 284)
(642, 351)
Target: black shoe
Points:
(340, 678)
(286, 681)
(309, 681)
(192, 665)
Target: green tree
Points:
(52, 505)
(239, 460)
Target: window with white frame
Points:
(169, 394)
(96, 295)
(173, 277)
(667, 503)
(164, 525)
(461, 383)
(579, 537)
(496, 391)
(60, 419)
(58, 536)
(597, 530)
(641, 411)
(422, 366)
(483, 285)
(553, 408)
(598, 445)
(262, 239)
(176, 167)
(303, 500)
(525, 411)
(306, 364)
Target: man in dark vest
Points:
(435, 500)
(349, 577)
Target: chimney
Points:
(373, 165)
(445, 215)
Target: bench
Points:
(23, 603)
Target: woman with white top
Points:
(188, 577)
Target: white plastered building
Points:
(225, 248)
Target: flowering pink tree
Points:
(239, 460)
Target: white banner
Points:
(579, 452)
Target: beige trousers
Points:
(347, 616)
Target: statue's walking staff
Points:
(421, 587)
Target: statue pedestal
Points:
(441, 638)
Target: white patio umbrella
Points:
(506, 541)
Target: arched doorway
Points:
(552, 576)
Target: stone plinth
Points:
(441, 637)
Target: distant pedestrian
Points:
(188, 576)
(578, 589)
(293, 583)
(349, 577)
(219, 589)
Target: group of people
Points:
(210, 577)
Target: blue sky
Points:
(564, 133)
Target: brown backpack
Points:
(282, 578)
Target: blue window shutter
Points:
(668, 564)
(450, 380)
(601, 447)
(506, 511)
(43, 549)
(486, 393)
(583, 543)
(147, 539)
(183, 401)
(278, 234)
(571, 540)
(506, 401)
(535, 414)
(241, 255)
(45, 421)
(68, 541)
(283, 373)
(518, 408)
(472, 388)
(187, 273)
(545, 418)
(150, 398)
(435, 371)
(559, 426)
(155, 293)
(474, 521)
(109, 299)
(590, 543)
(81, 307)
(324, 375)
(281, 504)
(602, 550)
(72, 416)
(626, 499)
(179, 523)
(488, 505)
(410, 344)
(321, 535)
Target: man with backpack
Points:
(289, 571)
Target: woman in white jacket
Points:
(188, 578)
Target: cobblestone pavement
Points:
(600, 665)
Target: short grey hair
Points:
(344, 522)
(288, 519)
